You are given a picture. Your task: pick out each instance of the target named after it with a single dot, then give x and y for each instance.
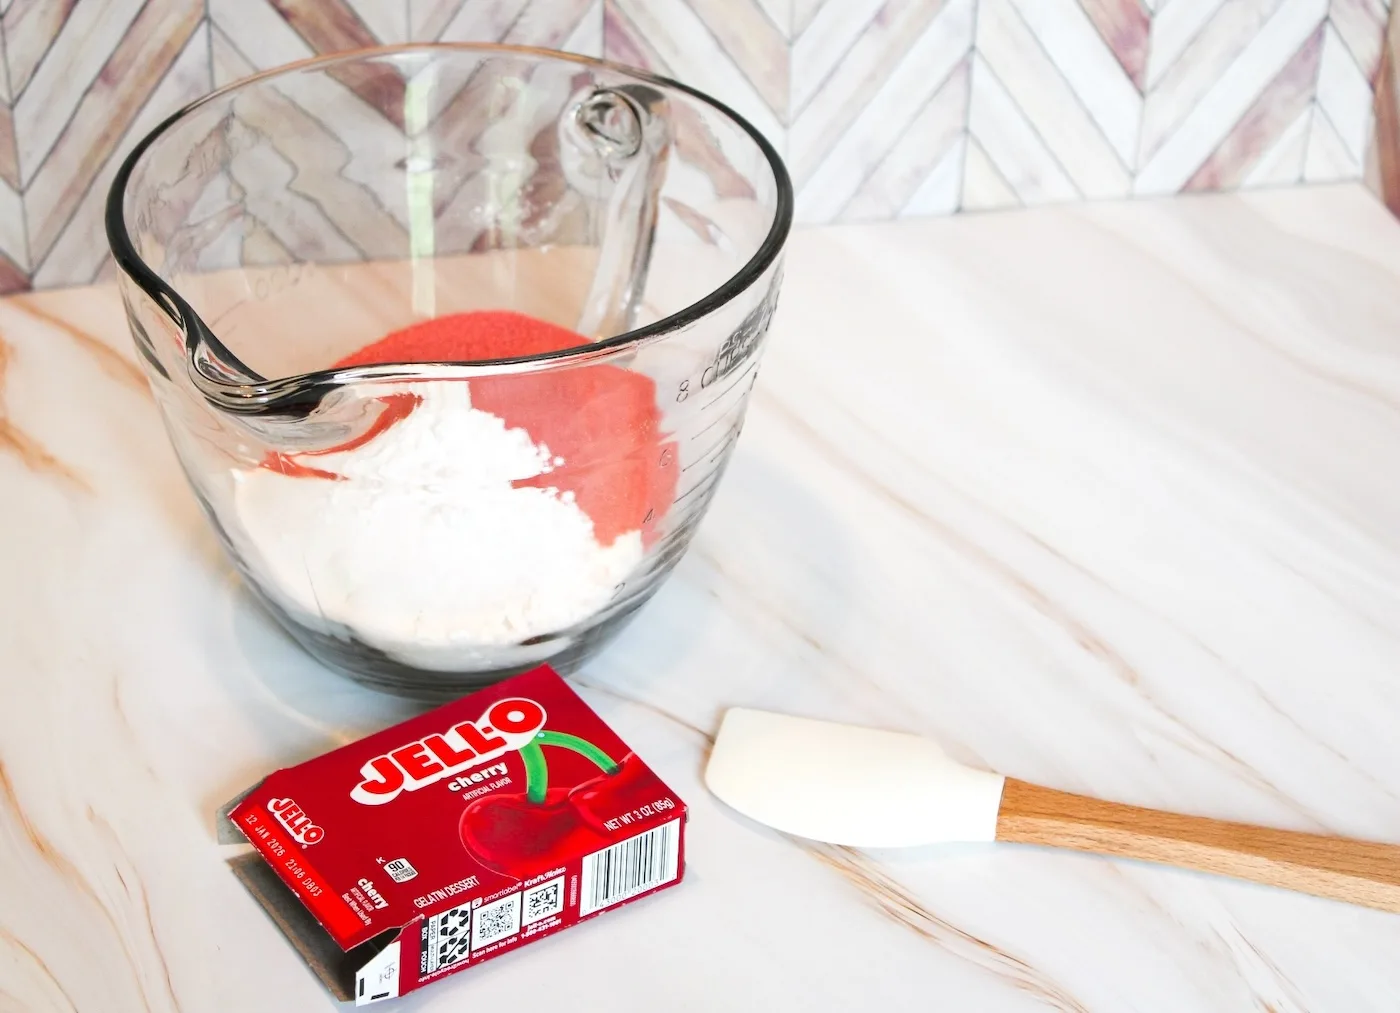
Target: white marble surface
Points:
(1105, 497)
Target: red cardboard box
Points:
(457, 836)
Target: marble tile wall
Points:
(883, 108)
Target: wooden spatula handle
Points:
(1359, 872)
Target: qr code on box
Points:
(496, 920)
(446, 938)
(544, 901)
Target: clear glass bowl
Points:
(428, 527)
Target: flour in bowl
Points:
(422, 546)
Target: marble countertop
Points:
(1105, 497)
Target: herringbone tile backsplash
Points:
(882, 108)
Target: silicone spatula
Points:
(863, 787)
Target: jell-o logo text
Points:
(298, 824)
(505, 727)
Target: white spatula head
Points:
(847, 785)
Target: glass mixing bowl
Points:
(431, 526)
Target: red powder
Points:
(602, 420)
(466, 337)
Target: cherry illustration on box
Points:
(456, 836)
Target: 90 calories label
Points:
(470, 830)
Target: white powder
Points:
(424, 549)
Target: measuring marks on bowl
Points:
(713, 401)
(721, 418)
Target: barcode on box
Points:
(634, 866)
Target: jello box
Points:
(457, 836)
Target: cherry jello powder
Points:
(460, 835)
